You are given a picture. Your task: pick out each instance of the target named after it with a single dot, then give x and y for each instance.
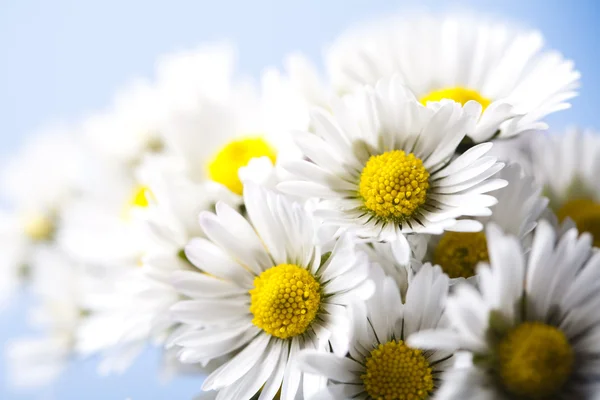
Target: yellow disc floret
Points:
(459, 94)
(394, 185)
(535, 360)
(139, 198)
(225, 165)
(38, 226)
(395, 371)
(586, 215)
(458, 253)
(285, 300)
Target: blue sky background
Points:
(62, 58)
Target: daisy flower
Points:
(383, 163)
(380, 365)
(520, 206)
(532, 330)
(134, 312)
(505, 69)
(132, 125)
(214, 137)
(57, 284)
(37, 183)
(262, 293)
(568, 166)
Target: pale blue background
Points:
(61, 58)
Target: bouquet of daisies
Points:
(402, 228)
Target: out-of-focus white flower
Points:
(215, 138)
(57, 284)
(462, 58)
(134, 312)
(38, 183)
(567, 166)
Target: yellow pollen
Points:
(586, 215)
(458, 253)
(459, 94)
(38, 226)
(394, 185)
(395, 371)
(285, 300)
(535, 360)
(236, 154)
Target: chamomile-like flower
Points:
(58, 285)
(262, 293)
(519, 207)
(380, 365)
(38, 183)
(567, 166)
(134, 311)
(383, 163)
(462, 58)
(215, 137)
(532, 329)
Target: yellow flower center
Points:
(535, 360)
(459, 94)
(236, 154)
(394, 185)
(38, 226)
(395, 371)
(586, 215)
(458, 253)
(285, 300)
(138, 199)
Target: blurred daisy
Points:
(383, 163)
(132, 126)
(568, 167)
(214, 137)
(98, 227)
(380, 365)
(134, 312)
(263, 293)
(462, 58)
(519, 207)
(37, 183)
(57, 285)
(532, 330)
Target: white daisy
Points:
(532, 330)
(462, 58)
(133, 312)
(132, 125)
(99, 226)
(568, 166)
(215, 137)
(380, 365)
(384, 164)
(57, 284)
(38, 183)
(519, 207)
(248, 268)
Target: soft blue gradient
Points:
(62, 58)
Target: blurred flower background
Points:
(62, 60)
